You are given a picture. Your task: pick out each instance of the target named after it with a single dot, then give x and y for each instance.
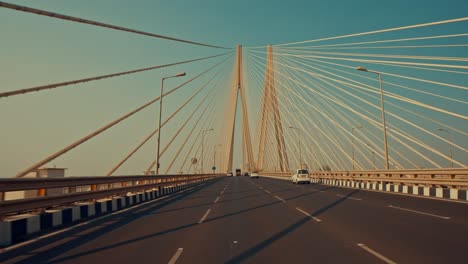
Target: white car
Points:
(254, 175)
(301, 176)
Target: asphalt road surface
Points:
(243, 220)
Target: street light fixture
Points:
(299, 145)
(203, 141)
(384, 128)
(450, 144)
(352, 141)
(180, 74)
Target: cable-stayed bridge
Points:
(378, 122)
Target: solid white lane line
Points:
(309, 215)
(176, 256)
(267, 191)
(217, 199)
(322, 191)
(204, 216)
(221, 193)
(419, 212)
(377, 254)
(352, 198)
(279, 198)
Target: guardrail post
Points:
(2, 196)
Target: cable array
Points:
(109, 125)
(332, 113)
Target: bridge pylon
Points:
(239, 88)
(270, 106)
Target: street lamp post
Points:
(384, 127)
(352, 142)
(203, 141)
(450, 144)
(299, 145)
(180, 74)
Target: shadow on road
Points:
(205, 204)
(265, 243)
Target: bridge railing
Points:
(78, 189)
(450, 178)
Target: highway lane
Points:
(243, 220)
(248, 225)
(410, 229)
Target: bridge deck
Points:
(239, 219)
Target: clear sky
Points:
(37, 50)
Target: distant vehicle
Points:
(238, 172)
(301, 176)
(254, 175)
(229, 174)
(246, 174)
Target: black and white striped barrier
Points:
(444, 193)
(17, 228)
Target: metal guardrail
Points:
(455, 178)
(99, 187)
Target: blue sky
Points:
(38, 50)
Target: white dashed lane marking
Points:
(204, 216)
(176, 256)
(309, 215)
(419, 212)
(352, 198)
(279, 198)
(377, 254)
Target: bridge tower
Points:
(247, 152)
(270, 106)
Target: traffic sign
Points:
(213, 168)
